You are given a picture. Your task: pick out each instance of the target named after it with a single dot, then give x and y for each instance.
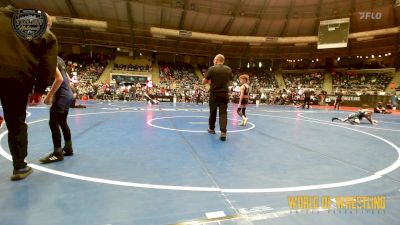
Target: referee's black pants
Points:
(218, 100)
(14, 98)
(306, 102)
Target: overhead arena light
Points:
(217, 42)
(300, 44)
(93, 24)
(185, 33)
(159, 36)
(123, 50)
(365, 38)
(271, 39)
(98, 29)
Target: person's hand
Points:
(48, 100)
(34, 99)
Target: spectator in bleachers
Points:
(338, 100)
(394, 101)
(361, 83)
(130, 67)
(313, 80)
(380, 109)
(179, 79)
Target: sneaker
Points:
(20, 174)
(52, 157)
(223, 136)
(211, 131)
(1, 122)
(245, 121)
(67, 151)
(334, 118)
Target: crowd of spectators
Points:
(130, 67)
(344, 63)
(170, 72)
(291, 96)
(367, 65)
(305, 80)
(180, 81)
(176, 80)
(259, 78)
(361, 83)
(261, 81)
(302, 65)
(84, 72)
(88, 73)
(85, 59)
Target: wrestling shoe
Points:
(20, 174)
(223, 136)
(211, 131)
(334, 118)
(52, 157)
(67, 151)
(245, 121)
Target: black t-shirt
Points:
(220, 75)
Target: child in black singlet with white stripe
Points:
(244, 98)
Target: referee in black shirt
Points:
(218, 76)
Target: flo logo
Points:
(29, 24)
(370, 15)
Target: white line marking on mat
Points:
(372, 177)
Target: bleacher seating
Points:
(130, 67)
(359, 82)
(127, 63)
(314, 80)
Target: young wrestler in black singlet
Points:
(244, 98)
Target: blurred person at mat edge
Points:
(25, 67)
